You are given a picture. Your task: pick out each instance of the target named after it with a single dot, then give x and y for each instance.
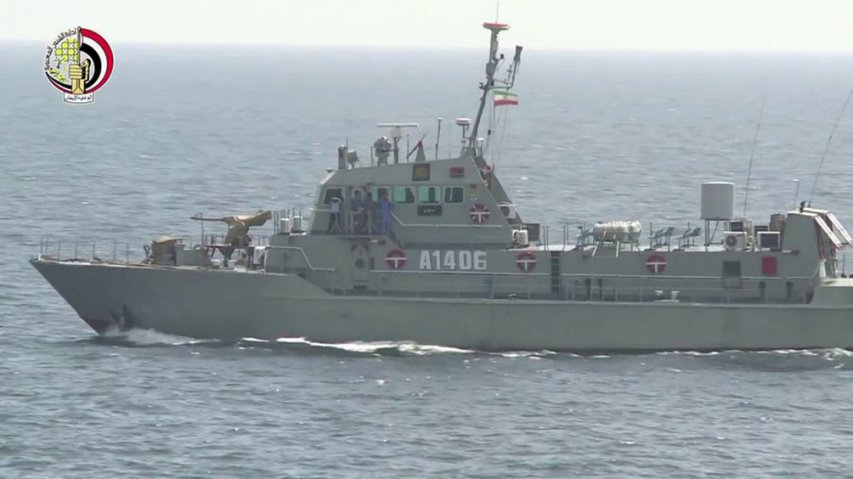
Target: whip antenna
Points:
(828, 142)
(752, 153)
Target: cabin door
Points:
(360, 264)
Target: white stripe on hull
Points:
(231, 305)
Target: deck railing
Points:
(459, 284)
(257, 240)
(707, 289)
(89, 250)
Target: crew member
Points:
(385, 207)
(369, 214)
(356, 207)
(334, 216)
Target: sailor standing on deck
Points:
(385, 206)
(356, 209)
(369, 214)
(334, 216)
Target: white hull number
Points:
(450, 260)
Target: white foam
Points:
(838, 353)
(150, 337)
(372, 347)
(688, 353)
(528, 354)
(427, 349)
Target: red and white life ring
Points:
(396, 258)
(479, 213)
(526, 261)
(656, 263)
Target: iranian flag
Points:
(504, 97)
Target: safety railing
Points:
(257, 240)
(89, 250)
(459, 284)
(613, 287)
(574, 287)
(438, 225)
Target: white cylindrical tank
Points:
(284, 226)
(718, 200)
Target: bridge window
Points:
(404, 194)
(332, 193)
(379, 191)
(429, 195)
(454, 194)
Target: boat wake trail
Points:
(773, 361)
(141, 338)
(137, 337)
(780, 360)
(377, 348)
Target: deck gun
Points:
(238, 227)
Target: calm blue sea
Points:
(223, 130)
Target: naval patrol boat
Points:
(435, 252)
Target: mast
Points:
(491, 68)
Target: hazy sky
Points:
(788, 25)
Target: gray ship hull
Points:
(230, 305)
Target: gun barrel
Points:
(202, 218)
